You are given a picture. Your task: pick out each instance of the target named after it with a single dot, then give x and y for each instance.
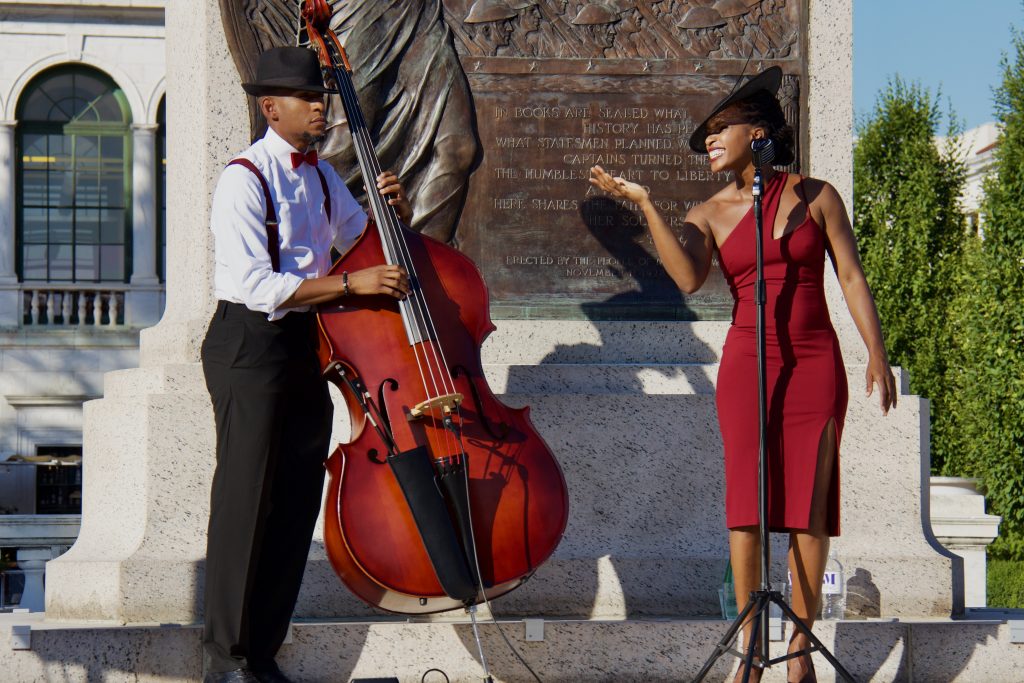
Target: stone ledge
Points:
(572, 650)
(179, 378)
(644, 378)
(38, 530)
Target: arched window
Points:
(74, 178)
(161, 189)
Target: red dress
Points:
(806, 377)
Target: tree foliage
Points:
(910, 231)
(988, 427)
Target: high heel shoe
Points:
(755, 674)
(809, 676)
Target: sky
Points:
(948, 46)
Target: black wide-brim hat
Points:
(769, 80)
(287, 68)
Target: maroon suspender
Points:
(270, 222)
(273, 239)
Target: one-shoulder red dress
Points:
(806, 376)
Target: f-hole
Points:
(459, 371)
(393, 386)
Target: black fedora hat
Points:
(769, 80)
(287, 68)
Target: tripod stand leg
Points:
(753, 605)
(748, 661)
(799, 625)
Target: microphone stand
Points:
(757, 607)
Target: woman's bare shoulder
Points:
(819, 192)
(714, 204)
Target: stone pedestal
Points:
(961, 525)
(627, 408)
(149, 442)
(31, 562)
(38, 538)
(145, 501)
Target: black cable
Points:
(429, 671)
(510, 645)
(476, 562)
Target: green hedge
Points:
(987, 435)
(910, 232)
(1006, 583)
(952, 303)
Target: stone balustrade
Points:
(38, 538)
(74, 305)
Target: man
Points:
(276, 214)
(490, 24)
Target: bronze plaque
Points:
(558, 87)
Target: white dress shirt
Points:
(243, 272)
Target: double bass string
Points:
(399, 251)
(357, 127)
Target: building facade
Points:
(979, 144)
(82, 164)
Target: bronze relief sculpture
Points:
(491, 112)
(411, 86)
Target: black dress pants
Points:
(273, 417)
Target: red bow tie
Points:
(309, 157)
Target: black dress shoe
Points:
(235, 676)
(270, 674)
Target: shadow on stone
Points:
(919, 651)
(641, 455)
(863, 599)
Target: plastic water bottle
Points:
(833, 589)
(727, 594)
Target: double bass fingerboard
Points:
(415, 315)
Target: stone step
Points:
(645, 535)
(570, 651)
(583, 379)
(180, 378)
(533, 342)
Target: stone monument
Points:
(619, 368)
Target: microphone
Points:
(763, 151)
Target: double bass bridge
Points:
(445, 404)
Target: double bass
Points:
(444, 497)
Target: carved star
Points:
(698, 66)
(590, 65)
(476, 67)
(647, 66)
(760, 66)
(533, 66)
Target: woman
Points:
(804, 219)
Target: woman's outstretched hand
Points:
(617, 187)
(879, 372)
